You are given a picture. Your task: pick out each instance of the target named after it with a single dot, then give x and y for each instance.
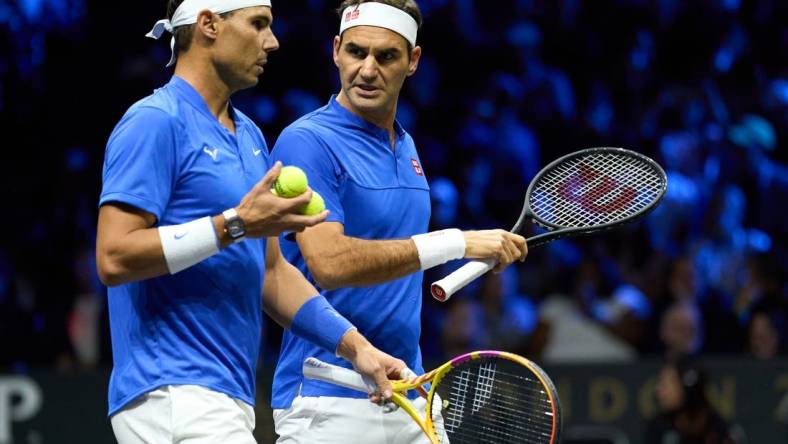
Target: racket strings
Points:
(602, 188)
(492, 401)
(596, 189)
(499, 423)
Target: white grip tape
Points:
(316, 369)
(407, 373)
(443, 289)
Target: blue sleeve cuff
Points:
(135, 201)
(318, 322)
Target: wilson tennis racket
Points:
(581, 193)
(480, 397)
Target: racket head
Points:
(593, 189)
(493, 397)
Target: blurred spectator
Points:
(501, 319)
(683, 282)
(681, 330)
(84, 326)
(625, 313)
(722, 253)
(757, 137)
(686, 416)
(762, 284)
(445, 202)
(510, 318)
(463, 328)
(766, 332)
(675, 221)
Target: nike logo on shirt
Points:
(256, 152)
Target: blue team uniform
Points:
(376, 193)
(170, 157)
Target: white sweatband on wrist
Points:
(187, 244)
(189, 10)
(439, 247)
(382, 16)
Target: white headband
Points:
(189, 10)
(381, 16)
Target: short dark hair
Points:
(183, 34)
(409, 6)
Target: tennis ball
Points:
(316, 205)
(291, 182)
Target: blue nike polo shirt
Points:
(170, 157)
(376, 192)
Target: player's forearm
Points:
(134, 256)
(352, 262)
(124, 257)
(285, 290)
(296, 305)
(351, 345)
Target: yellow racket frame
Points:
(401, 386)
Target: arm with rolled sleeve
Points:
(139, 172)
(334, 259)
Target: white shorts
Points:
(186, 414)
(329, 420)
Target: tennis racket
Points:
(480, 397)
(581, 193)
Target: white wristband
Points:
(439, 247)
(187, 244)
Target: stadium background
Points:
(503, 88)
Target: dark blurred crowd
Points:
(695, 85)
(503, 88)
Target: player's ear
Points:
(207, 24)
(337, 44)
(415, 56)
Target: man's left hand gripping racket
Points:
(581, 193)
(480, 397)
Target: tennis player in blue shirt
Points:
(368, 257)
(190, 253)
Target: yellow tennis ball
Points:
(316, 205)
(291, 182)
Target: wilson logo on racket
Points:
(581, 193)
(605, 196)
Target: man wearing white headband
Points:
(368, 257)
(190, 253)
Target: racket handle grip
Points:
(322, 371)
(443, 289)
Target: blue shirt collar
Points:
(360, 122)
(186, 91)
